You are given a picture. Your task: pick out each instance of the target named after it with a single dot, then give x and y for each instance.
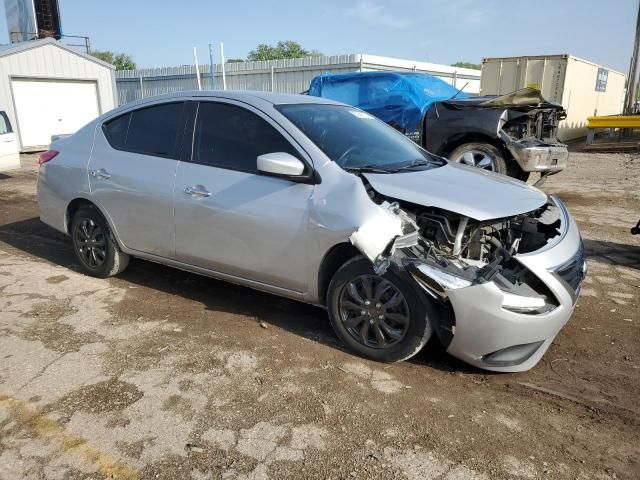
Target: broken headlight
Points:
(525, 304)
(437, 279)
(523, 292)
(448, 280)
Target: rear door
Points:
(132, 171)
(9, 156)
(230, 218)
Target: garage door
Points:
(52, 107)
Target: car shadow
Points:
(613, 253)
(35, 238)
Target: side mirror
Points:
(280, 163)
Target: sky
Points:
(164, 32)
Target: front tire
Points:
(382, 317)
(481, 155)
(94, 245)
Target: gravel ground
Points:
(164, 374)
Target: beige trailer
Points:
(584, 89)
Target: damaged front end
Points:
(448, 254)
(445, 251)
(529, 130)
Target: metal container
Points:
(582, 87)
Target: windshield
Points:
(356, 140)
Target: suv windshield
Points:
(356, 140)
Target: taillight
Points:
(46, 156)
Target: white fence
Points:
(285, 76)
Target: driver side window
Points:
(232, 137)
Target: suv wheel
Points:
(94, 245)
(382, 317)
(481, 155)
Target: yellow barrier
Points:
(614, 121)
(610, 122)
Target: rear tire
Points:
(395, 324)
(480, 155)
(95, 246)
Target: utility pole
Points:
(224, 78)
(212, 65)
(632, 81)
(195, 59)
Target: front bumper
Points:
(538, 156)
(490, 337)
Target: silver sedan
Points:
(322, 203)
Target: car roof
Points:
(271, 97)
(254, 98)
(248, 96)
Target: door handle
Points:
(100, 173)
(197, 191)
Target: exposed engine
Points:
(462, 238)
(475, 252)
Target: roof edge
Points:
(12, 49)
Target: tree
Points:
(282, 49)
(235, 60)
(121, 61)
(475, 66)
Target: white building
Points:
(584, 88)
(48, 88)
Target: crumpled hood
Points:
(523, 99)
(469, 191)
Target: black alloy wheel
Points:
(91, 243)
(374, 311)
(383, 317)
(94, 244)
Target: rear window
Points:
(117, 131)
(150, 131)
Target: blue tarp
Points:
(400, 99)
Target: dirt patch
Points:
(163, 374)
(108, 396)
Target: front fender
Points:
(446, 127)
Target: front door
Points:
(131, 175)
(231, 219)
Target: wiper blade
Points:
(415, 163)
(367, 169)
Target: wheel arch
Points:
(473, 137)
(79, 202)
(337, 256)
(73, 206)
